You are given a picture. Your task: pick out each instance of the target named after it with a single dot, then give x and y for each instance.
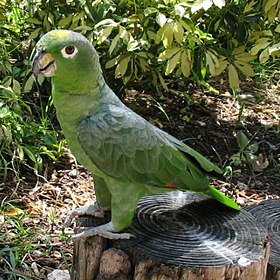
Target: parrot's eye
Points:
(69, 51)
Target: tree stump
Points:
(267, 213)
(178, 236)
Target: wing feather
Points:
(125, 146)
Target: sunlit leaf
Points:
(179, 10)
(167, 35)
(277, 29)
(249, 6)
(269, 5)
(132, 45)
(107, 21)
(161, 19)
(122, 67)
(274, 48)
(150, 10)
(105, 33)
(172, 63)
(178, 32)
(219, 3)
(201, 4)
(167, 54)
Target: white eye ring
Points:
(69, 51)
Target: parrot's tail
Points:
(214, 193)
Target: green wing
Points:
(125, 146)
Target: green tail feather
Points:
(214, 193)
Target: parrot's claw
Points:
(91, 210)
(105, 231)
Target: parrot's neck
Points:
(71, 109)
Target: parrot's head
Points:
(65, 55)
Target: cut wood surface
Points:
(267, 213)
(177, 235)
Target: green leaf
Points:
(244, 57)
(167, 54)
(35, 34)
(233, 77)
(29, 83)
(245, 68)
(161, 19)
(277, 29)
(223, 63)
(150, 10)
(249, 7)
(114, 43)
(201, 4)
(210, 63)
(172, 63)
(65, 21)
(178, 31)
(219, 3)
(143, 64)
(262, 43)
(107, 22)
(167, 35)
(122, 67)
(132, 45)
(269, 4)
(186, 63)
(179, 10)
(242, 140)
(105, 33)
(16, 87)
(152, 35)
(274, 48)
(83, 28)
(112, 62)
(264, 56)
(33, 20)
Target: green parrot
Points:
(127, 156)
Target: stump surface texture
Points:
(178, 236)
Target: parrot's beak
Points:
(44, 64)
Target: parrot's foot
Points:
(106, 231)
(90, 210)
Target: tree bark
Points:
(178, 236)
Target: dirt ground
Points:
(206, 121)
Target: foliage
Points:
(153, 42)
(248, 153)
(20, 238)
